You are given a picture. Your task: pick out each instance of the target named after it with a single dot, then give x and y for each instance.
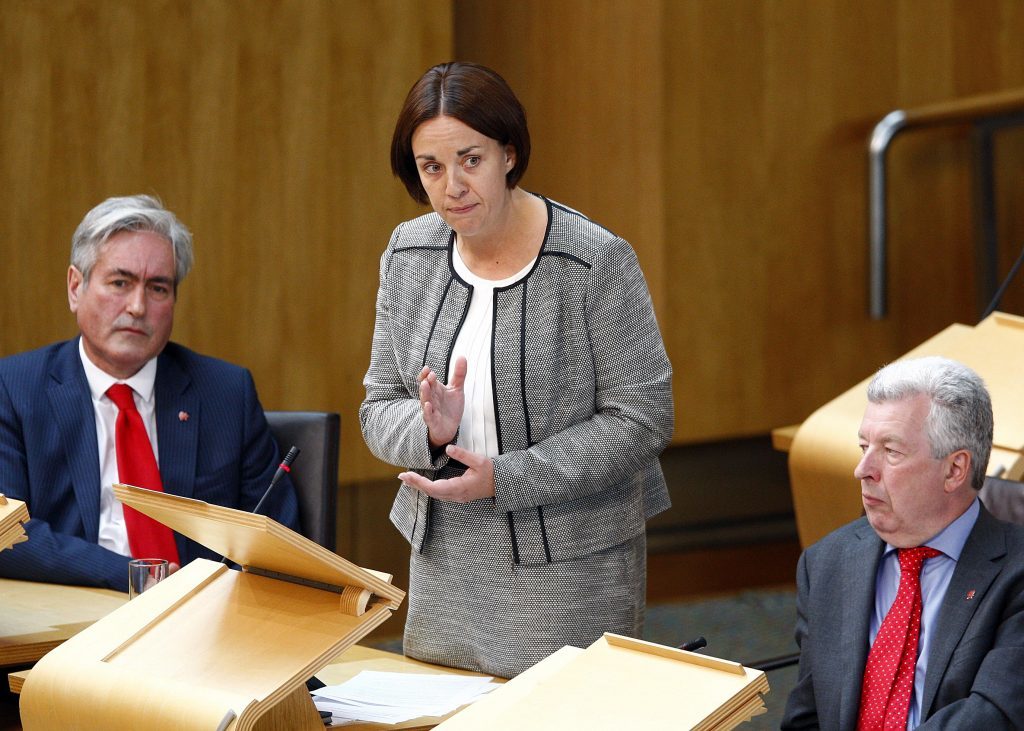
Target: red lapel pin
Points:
(182, 416)
(970, 595)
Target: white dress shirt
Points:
(113, 534)
(478, 432)
(936, 573)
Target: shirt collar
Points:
(143, 382)
(951, 539)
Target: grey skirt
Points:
(471, 606)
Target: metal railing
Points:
(988, 113)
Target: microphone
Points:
(285, 466)
(694, 644)
(1002, 287)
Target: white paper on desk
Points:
(360, 712)
(373, 695)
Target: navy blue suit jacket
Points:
(222, 453)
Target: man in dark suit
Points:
(59, 448)
(883, 646)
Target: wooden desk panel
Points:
(353, 661)
(36, 617)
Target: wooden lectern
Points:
(825, 450)
(13, 514)
(620, 683)
(211, 647)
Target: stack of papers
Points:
(396, 697)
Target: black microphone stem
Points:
(1002, 287)
(285, 466)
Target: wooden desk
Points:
(353, 661)
(36, 617)
(782, 437)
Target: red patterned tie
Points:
(889, 673)
(136, 465)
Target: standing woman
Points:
(519, 377)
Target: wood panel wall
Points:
(264, 125)
(725, 139)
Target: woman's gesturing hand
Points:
(475, 483)
(442, 405)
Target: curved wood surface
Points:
(206, 643)
(256, 541)
(349, 664)
(212, 647)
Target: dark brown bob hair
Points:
(473, 94)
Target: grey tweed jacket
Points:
(582, 385)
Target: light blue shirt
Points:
(935, 577)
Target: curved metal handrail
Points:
(971, 109)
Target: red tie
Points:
(136, 465)
(889, 674)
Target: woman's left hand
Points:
(475, 483)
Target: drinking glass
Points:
(145, 573)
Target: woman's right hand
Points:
(442, 405)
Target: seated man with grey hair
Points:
(913, 616)
(122, 404)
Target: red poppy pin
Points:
(182, 416)
(970, 595)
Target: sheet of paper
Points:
(396, 697)
(360, 712)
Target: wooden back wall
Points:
(264, 125)
(725, 139)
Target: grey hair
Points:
(961, 408)
(130, 213)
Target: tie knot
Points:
(913, 558)
(121, 395)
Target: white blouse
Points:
(478, 432)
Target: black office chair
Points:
(315, 473)
(1004, 499)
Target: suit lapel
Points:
(71, 402)
(861, 561)
(177, 426)
(978, 566)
